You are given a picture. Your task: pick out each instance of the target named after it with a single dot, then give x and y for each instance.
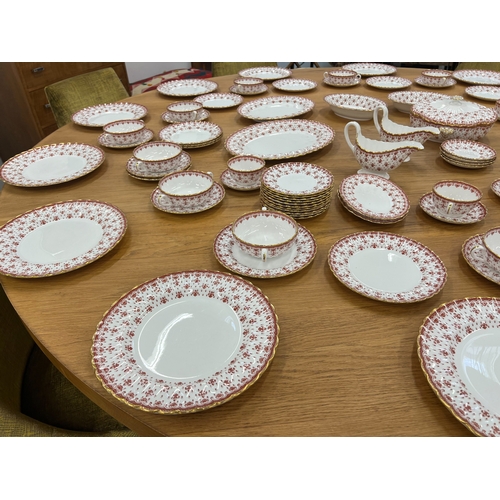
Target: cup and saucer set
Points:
(185, 111)
(187, 192)
(125, 134)
(455, 202)
(264, 244)
(248, 86)
(436, 78)
(482, 253)
(154, 160)
(243, 173)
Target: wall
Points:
(140, 70)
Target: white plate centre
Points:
(218, 102)
(477, 359)
(111, 116)
(373, 198)
(274, 110)
(192, 337)
(192, 89)
(385, 270)
(191, 136)
(279, 143)
(54, 167)
(297, 183)
(59, 241)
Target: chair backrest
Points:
(232, 68)
(489, 66)
(73, 94)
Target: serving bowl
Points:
(353, 106)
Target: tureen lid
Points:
(454, 112)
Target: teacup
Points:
(489, 249)
(455, 198)
(187, 187)
(433, 80)
(249, 85)
(185, 111)
(439, 73)
(265, 234)
(125, 132)
(157, 157)
(245, 169)
(341, 77)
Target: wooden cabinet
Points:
(26, 117)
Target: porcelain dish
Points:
(275, 108)
(192, 134)
(52, 164)
(484, 92)
(353, 106)
(371, 69)
(404, 100)
(266, 73)
(185, 342)
(59, 238)
(477, 214)
(294, 85)
(102, 114)
(495, 186)
(448, 82)
(387, 267)
(477, 76)
(388, 82)
(185, 88)
(469, 253)
(229, 181)
(166, 203)
(467, 154)
(219, 100)
(109, 141)
(171, 118)
(260, 90)
(142, 170)
(458, 346)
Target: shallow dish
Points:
(279, 139)
(404, 100)
(219, 100)
(294, 85)
(371, 69)
(477, 76)
(140, 169)
(387, 267)
(458, 346)
(194, 86)
(109, 141)
(266, 73)
(260, 90)
(183, 342)
(59, 238)
(229, 181)
(468, 150)
(191, 134)
(353, 106)
(52, 164)
(166, 203)
(476, 262)
(102, 114)
(388, 82)
(485, 92)
(449, 82)
(172, 118)
(275, 108)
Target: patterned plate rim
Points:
(257, 72)
(475, 89)
(374, 81)
(202, 99)
(166, 88)
(79, 117)
(281, 84)
(245, 109)
(211, 127)
(467, 76)
(386, 69)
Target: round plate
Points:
(102, 114)
(477, 214)
(458, 346)
(294, 85)
(59, 238)
(388, 82)
(387, 267)
(449, 82)
(280, 139)
(185, 342)
(478, 264)
(275, 108)
(233, 258)
(371, 69)
(164, 203)
(404, 100)
(185, 88)
(495, 186)
(53, 164)
(485, 92)
(463, 149)
(219, 101)
(266, 73)
(477, 76)
(353, 106)
(191, 134)
(234, 89)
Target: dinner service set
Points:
(219, 100)
(248, 86)
(192, 134)
(388, 82)
(294, 85)
(467, 154)
(341, 78)
(300, 190)
(184, 111)
(353, 106)
(378, 157)
(243, 173)
(125, 134)
(373, 198)
(186, 88)
(436, 78)
(275, 108)
(405, 99)
(455, 202)
(101, 114)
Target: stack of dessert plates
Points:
(301, 190)
(373, 198)
(192, 134)
(467, 154)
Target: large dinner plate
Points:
(459, 351)
(477, 76)
(194, 86)
(59, 238)
(371, 69)
(102, 114)
(265, 73)
(387, 267)
(185, 342)
(274, 108)
(280, 139)
(52, 164)
(485, 92)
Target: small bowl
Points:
(186, 185)
(246, 169)
(455, 198)
(125, 132)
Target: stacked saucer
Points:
(373, 198)
(467, 154)
(300, 190)
(192, 134)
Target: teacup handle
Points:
(264, 255)
(325, 74)
(480, 252)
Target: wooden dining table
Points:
(346, 364)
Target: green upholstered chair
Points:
(489, 66)
(232, 68)
(73, 94)
(35, 398)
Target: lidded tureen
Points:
(455, 117)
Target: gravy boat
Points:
(378, 157)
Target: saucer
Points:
(340, 85)
(475, 215)
(165, 204)
(108, 140)
(228, 181)
(495, 186)
(170, 117)
(448, 83)
(234, 90)
(138, 171)
(477, 264)
(296, 258)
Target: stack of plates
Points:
(192, 134)
(467, 154)
(301, 190)
(373, 198)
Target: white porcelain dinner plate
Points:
(485, 92)
(449, 82)
(185, 88)
(191, 134)
(52, 164)
(374, 197)
(371, 69)
(185, 342)
(174, 206)
(477, 214)
(294, 85)
(275, 108)
(405, 99)
(102, 114)
(473, 259)
(266, 73)
(280, 139)
(477, 76)
(219, 100)
(228, 253)
(353, 106)
(387, 267)
(388, 82)
(459, 349)
(109, 141)
(59, 238)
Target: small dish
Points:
(166, 204)
(448, 82)
(102, 114)
(141, 170)
(228, 181)
(353, 106)
(478, 264)
(266, 73)
(275, 108)
(171, 118)
(484, 92)
(109, 141)
(405, 99)
(262, 88)
(191, 134)
(185, 88)
(371, 69)
(294, 85)
(477, 214)
(219, 100)
(388, 82)
(495, 187)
